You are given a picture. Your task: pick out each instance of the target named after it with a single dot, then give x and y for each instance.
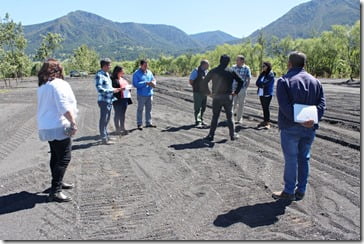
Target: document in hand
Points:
(126, 92)
(302, 113)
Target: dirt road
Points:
(166, 183)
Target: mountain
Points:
(125, 41)
(311, 18)
(213, 38)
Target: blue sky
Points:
(236, 17)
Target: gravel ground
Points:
(166, 183)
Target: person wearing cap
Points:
(199, 98)
(222, 94)
(105, 99)
(238, 102)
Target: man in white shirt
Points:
(238, 102)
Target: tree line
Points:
(333, 54)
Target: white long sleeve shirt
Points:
(55, 98)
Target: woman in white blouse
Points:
(56, 114)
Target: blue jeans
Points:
(147, 102)
(105, 112)
(296, 144)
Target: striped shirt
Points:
(245, 75)
(104, 87)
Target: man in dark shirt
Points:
(222, 94)
(297, 87)
(199, 98)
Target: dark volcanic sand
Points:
(165, 183)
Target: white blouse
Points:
(55, 98)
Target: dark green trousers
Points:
(199, 101)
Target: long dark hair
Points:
(269, 68)
(50, 70)
(115, 72)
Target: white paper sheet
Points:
(303, 113)
(260, 92)
(126, 92)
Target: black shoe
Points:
(140, 127)
(58, 197)
(67, 185)
(283, 195)
(209, 138)
(299, 196)
(124, 133)
(150, 126)
(234, 137)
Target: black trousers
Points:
(265, 101)
(60, 158)
(219, 102)
(120, 107)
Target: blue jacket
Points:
(298, 86)
(267, 84)
(139, 81)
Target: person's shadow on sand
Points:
(199, 143)
(87, 138)
(20, 201)
(254, 216)
(175, 129)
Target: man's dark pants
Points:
(218, 102)
(199, 101)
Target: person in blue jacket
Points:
(265, 84)
(297, 87)
(144, 81)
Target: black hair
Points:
(115, 72)
(143, 61)
(269, 68)
(224, 60)
(297, 59)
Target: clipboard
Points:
(302, 113)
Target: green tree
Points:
(14, 62)
(85, 59)
(50, 42)
(348, 44)
(261, 41)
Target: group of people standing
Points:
(229, 89)
(265, 84)
(115, 92)
(57, 110)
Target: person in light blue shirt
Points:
(199, 98)
(144, 81)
